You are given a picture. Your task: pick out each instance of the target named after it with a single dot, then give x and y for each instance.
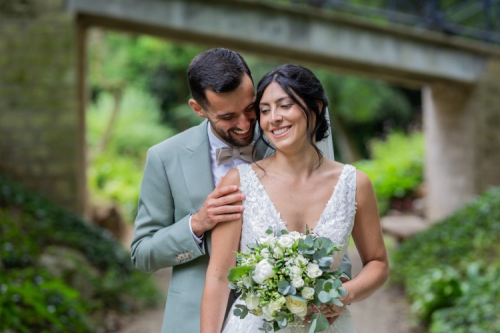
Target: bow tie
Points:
(222, 155)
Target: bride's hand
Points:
(331, 312)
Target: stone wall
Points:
(462, 141)
(39, 131)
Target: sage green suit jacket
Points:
(177, 180)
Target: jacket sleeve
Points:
(160, 241)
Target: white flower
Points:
(295, 234)
(263, 270)
(286, 240)
(308, 293)
(295, 271)
(275, 306)
(252, 301)
(298, 282)
(295, 306)
(265, 253)
(267, 312)
(268, 240)
(313, 271)
(246, 281)
(300, 260)
(281, 300)
(277, 252)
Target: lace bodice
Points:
(336, 222)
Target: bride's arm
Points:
(367, 235)
(225, 240)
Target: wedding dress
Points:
(336, 223)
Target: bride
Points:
(292, 189)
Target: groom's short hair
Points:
(219, 69)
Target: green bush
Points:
(449, 269)
(477, 310)
(36, 300)
(31, 300)
(115, 173)
(396, 167)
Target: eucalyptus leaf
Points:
(298, 298)
(322, 323)
(328, 285)
(334, 294)
(342, 292)
(325, 261)
(337, 302)
(324, 297)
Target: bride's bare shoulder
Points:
(231, 178)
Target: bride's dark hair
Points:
(298, 82)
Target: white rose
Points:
(298, 282)
(313, 271)
(264, 253)
(295, 234)
(263, 270)
(308, 293)
(300, 260)
(269, 239)
(267, 312)
(275, 306)
(252, 301)
(295, 306)
(295, 271)
(303, 313)
(277, 253)
(286, 240)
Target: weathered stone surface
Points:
(39, 130)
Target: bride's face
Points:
(283, 121)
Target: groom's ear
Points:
(197, 108)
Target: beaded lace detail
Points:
(336, 222)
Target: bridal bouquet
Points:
(283, 275)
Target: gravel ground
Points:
(386, 311)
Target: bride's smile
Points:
(282, 119)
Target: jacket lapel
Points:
(194, 157)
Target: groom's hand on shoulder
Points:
(222, 205)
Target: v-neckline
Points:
(273, 207)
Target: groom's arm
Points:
(160, 241)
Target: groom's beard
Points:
(231, 138)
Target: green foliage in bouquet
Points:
(450, 271)
(396, 167)
(34, 298)
(285, 274)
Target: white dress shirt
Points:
(218, 171)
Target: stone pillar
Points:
(40, 139)
(462, 131)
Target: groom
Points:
(180, 200)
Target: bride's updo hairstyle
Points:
(299, 82)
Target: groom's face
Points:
(231, 114)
